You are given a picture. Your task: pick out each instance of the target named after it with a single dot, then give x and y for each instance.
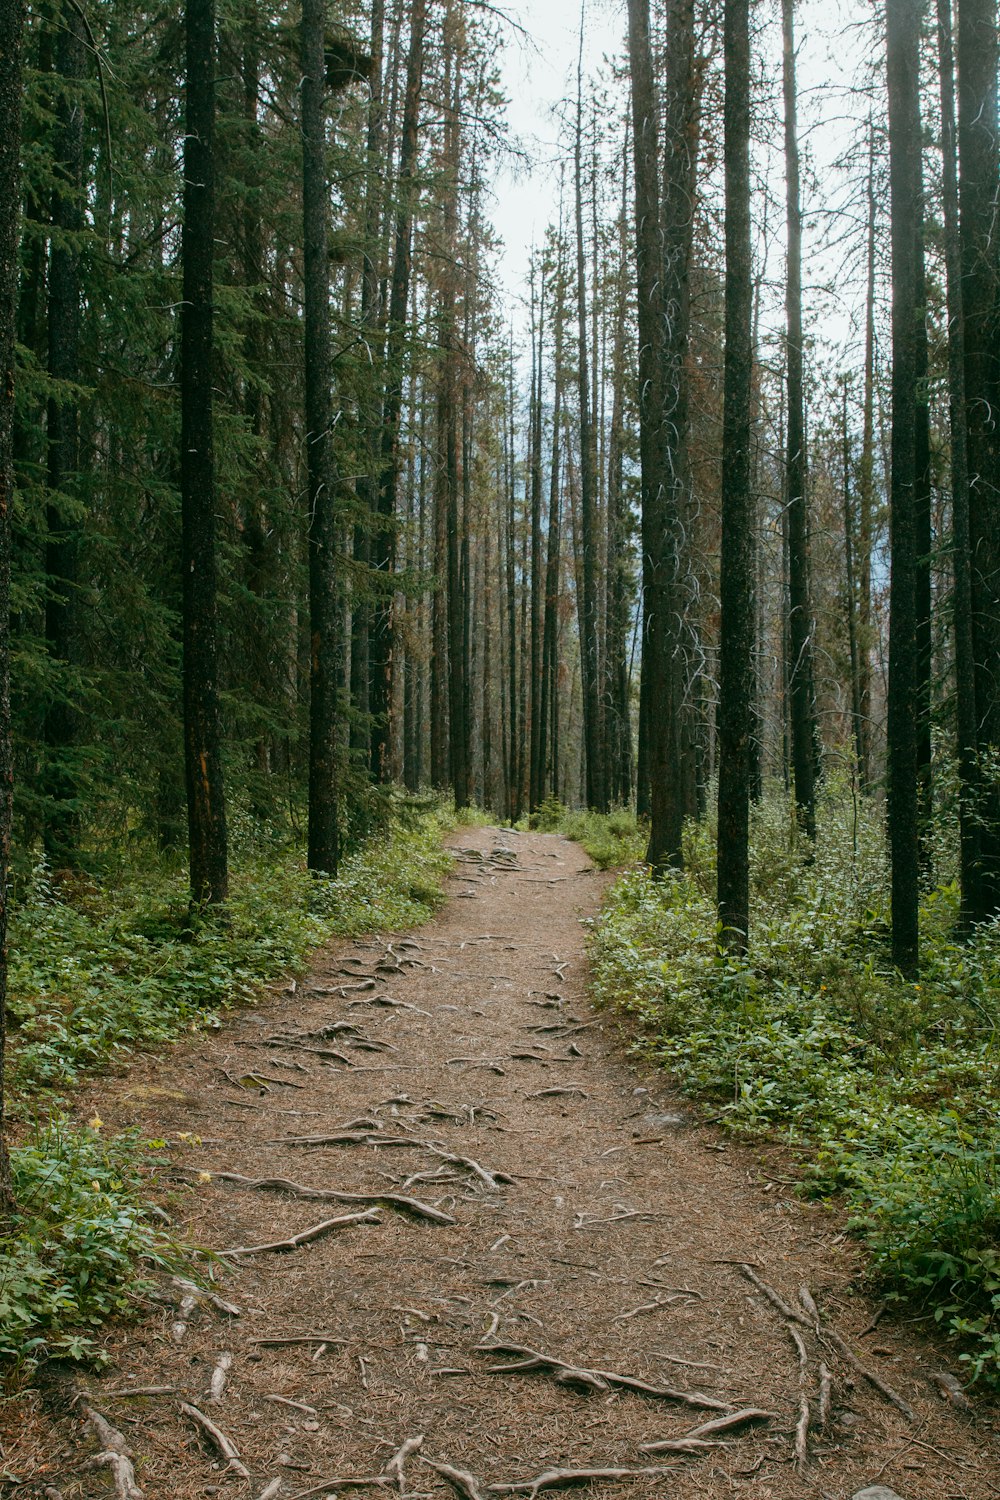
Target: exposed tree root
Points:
(345, 1221)
(115, 1455)
(461, 1481)
(554, 1479)
(223, 1445)
(297, 1190)
(592, 1380)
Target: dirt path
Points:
(577, 1210)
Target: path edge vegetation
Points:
(882, 1089)
(99, 975)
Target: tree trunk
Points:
(590, 665)
(207, 843)
(966, 722)
(62, 822)
(977, 151)
(662, 254)
(737, 562)
(383, 542)
(12, 16)
(535, 757)
(800, 630)
(903, 20)
(369, 413)
(851, 585)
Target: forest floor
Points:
(583, 1222)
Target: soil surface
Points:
(571, 1212)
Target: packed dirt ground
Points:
(527, 1256)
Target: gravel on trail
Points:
(465, 1246)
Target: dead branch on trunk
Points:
(345, 1221)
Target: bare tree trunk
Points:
(12, 18)
(62, 821)
(207, 843)
(965, 673)
(851, 584)
(589, 637)
(977, 150)
(384, 539)
(370, 405)
(903, 19)
(535, 775)
(801, 687)
(737, 564)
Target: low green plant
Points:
(612, 840)
(889, 1089)
(97, 972)
(80, 1244)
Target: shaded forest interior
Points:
(295, 512)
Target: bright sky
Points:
(536, 75)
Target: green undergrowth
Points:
(80, 1247)
(610, 839)
(101, 971)
(889, 1089)
(98, 971)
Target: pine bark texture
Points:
(61, 833)
(903, 18)
(661, 243)
(12, 19)
(977, 151)
(207, 843)
(736, 684)
(965, 672)
(805, 737)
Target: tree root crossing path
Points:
(463, 1246)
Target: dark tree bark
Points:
(324, 835)
(369, 413)
(535, 754)
(62, 823)
(800, 629)
(549, 703)
(590, 662)
(922, 545)
(207, 842)
(903, 20)
(12, 16)
(383, 542)
(662, 254)
(966, 723)
(617, 718)
(977, 151)
(738, 553)
(866, 489)
(851, 583)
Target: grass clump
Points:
(99, 972)
(612, 840)
(890, 1089)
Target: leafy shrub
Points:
(611, 839)
(889, 1088)
(69, 1260)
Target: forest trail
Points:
(581, 1219)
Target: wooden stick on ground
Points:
(595, 1380)
(226, 1448)
(345, 1221)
